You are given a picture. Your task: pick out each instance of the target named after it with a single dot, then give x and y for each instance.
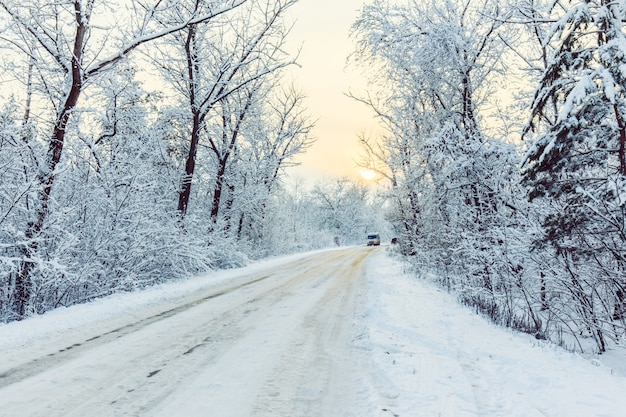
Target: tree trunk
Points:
(622, 140)
(23, 281)
(219, 186)
(542, 294)
(190, 165)
(619, 309)
(469, 120)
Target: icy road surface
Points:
(334, 333)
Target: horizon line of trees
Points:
(503, 139)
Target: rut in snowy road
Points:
(273, 343)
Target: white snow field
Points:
(332, 333)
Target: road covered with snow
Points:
(333, 333)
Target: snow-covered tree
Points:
(205, 64)
(458, 208)
(548, 265)
(277, 130)
(342, 209)
(578, 162)
(71, 44)
(90, 196)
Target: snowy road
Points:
(335, 333)
(273, 343)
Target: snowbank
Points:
(434, 357)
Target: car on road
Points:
(373, 239)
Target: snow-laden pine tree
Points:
(578, 161)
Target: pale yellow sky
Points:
(322, 29)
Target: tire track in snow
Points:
(145, 379)
(320, 374)
(23, 371)
(34, 366)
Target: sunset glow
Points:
(368, 174)
(322, 42)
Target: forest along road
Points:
(274, 343)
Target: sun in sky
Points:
(367, 174)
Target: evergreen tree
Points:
(578, 163)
